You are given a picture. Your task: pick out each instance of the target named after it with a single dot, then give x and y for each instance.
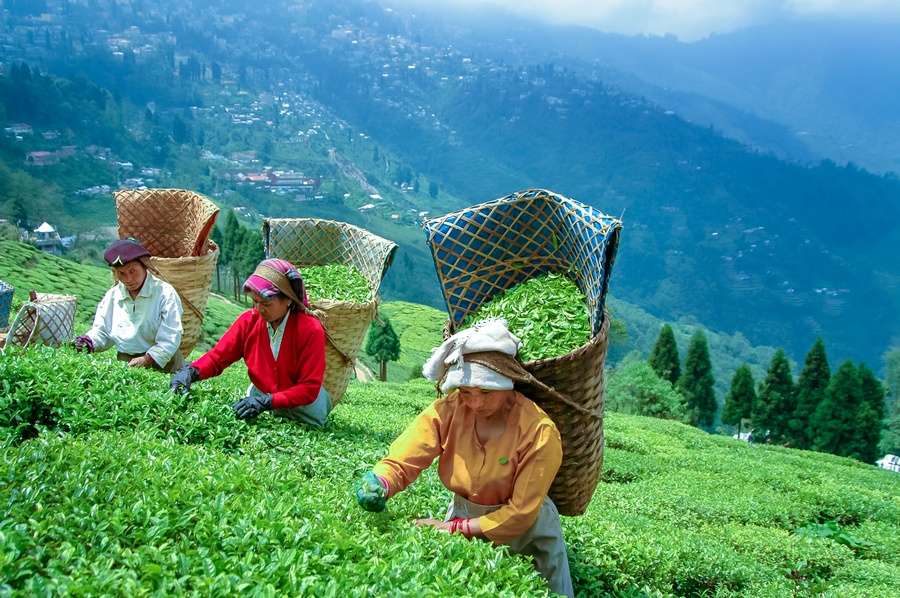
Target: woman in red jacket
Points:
(282, 344)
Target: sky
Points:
(689, 20)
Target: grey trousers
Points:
(543, 541)
(314, 414)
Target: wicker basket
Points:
(6, 296)
(491, 247)
(315, 242)
(174, 225)
(44, 320)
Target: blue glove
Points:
(252, 406)
(183, 378)
(370, 493)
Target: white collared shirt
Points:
(150, 323)
(277, 335)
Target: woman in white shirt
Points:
(140, 316)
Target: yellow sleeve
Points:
(414, 450)
(533, 479)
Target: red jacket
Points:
(293, 380)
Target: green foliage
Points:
(775, 403)
(740, 398)
(128, 489)
(810, 392)
(727, 351)
(696, 383)
(890, 438)
(636, 389)
(419, 328)
(382, 344)
(548, 313)
(834, 422)
(337, 282)
(832, 531)
(664, 358)
(869, 419)
(892, 369)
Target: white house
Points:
(889, 462)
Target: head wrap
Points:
(448, 366)
(274, 277)
(123, 251)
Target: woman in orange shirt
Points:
(498, 453)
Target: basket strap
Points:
(318, 315)
(181, 296)
(508, 366)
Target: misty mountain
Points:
(802, 89)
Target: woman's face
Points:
(132, 275)
(484, 402)
(272, 310)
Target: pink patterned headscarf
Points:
(261, 280)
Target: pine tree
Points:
(664, 357)
(740, 398)
(217, 238)
(251, 252)
(775, 404)
(230, 236)
(810, 392)
(834, 419)
(382, 344)
(696, 383)
(870, 418)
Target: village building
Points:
(46, 238)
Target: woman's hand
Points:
(144, 361)
(441, 526)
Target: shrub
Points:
(636, 389)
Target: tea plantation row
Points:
(111, 485)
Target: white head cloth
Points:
(487, 335)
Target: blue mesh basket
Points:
(6, 296)
(491, 247)
(488, 248)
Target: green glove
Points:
(371, 493)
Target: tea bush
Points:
(111, 485)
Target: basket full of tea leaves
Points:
(342, 267)
(542, 262)
(548, 314)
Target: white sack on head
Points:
(487, 335)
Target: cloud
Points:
(687, 19)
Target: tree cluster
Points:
(841, 413)
(241, 249)
(695, 381)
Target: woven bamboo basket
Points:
(316, 242)
(44, 320)
(174, 225)
(491, 247)
(6, 296)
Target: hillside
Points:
(714, 230)
(119, 487)
(419, 327)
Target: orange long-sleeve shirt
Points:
(514, 470)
